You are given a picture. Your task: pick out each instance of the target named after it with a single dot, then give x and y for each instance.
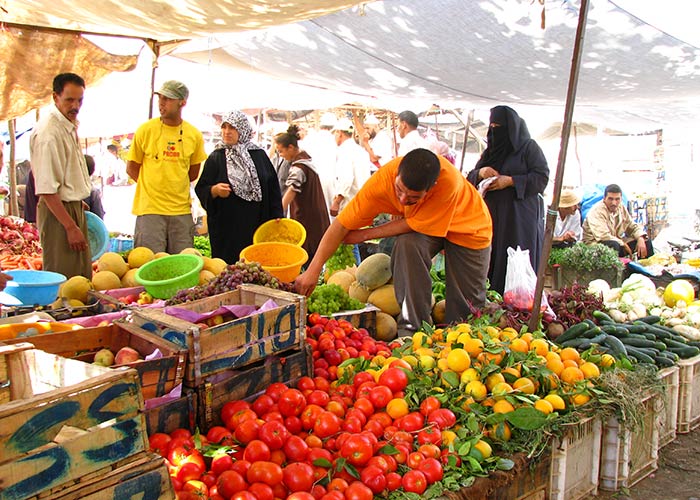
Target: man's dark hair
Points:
(90, 162)
(60, 81)
(113, 148)
(612, 188)
(410, 118)
(419, 169)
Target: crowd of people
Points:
(335, 181)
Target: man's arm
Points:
(133, 169)
(76, 239)
(393, 228)
(332, 238)
(194, 172)
(288, 198)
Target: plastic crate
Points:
(120, 244)
(689, 395)
(576, 461)
(628, 456)
(668, 405)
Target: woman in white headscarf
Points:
(238, 188)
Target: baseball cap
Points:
(173, 89)
(344, 124)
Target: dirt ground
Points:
(678, 476)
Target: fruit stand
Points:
(239, 388)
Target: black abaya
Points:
(233, 220)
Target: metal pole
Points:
(467, 125)
(552, 213)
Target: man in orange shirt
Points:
(436, 209)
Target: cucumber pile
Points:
(643, 341)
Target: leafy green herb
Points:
(584, 257)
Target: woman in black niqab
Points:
(514, 197)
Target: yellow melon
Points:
(112, 261)
(342, 279)
(191, 251)
(385, 299)
(158, 255)
(205, 276)
(358, 292)
(215, 265)
(77, 288)
(106, 280)
(386, 327)
(374, 271)
(139, 256)
(129, 278)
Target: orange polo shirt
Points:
(452, 208)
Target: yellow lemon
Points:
(607, 360)
(473, 346)
(448, 437)
(544, 406)
(411, 360)
(427, 362)
(580, 399)
(476, 389)
(503, 406)
(442, 364)
(420, 339)
(468, 375)
(494, 379)
(556, 401)
(501, 389)
(458, 360)
(452, 337)
(590, 370)
(508, 334)
(493, 332)
(540, 346)
(481, 450)
(524, 385)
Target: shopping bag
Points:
(521, 281)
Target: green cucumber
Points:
(575, 343)
(592, 332)
(664, 362)
(636, 328)
(649, 320)
(685, 352)
(637, 342)
(675, 343)
(598, 340)
(602, 317)
(573, 332)
(641, 356)
(618, 348)
(670, 355)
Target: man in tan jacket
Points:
(608, 222)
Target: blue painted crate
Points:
(120, 244)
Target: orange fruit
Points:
(481, 450)
(501, 389)
(448, 437)
(458, 360)
(527, 337)
(570, 362)
(555, 365)
(503, 406)
(488, 357)
(552, 355)
(524, 385)
(500, 432)
(580, 399)
(540, 346)
(569, 353)
(476, 389)
(508, 334)
(556, 401)
(544, 406)
(493, 379)
(473, 346)
(511, 374)
(468, 375)
(571, 375)
(590, 370)
(519, 345)
(397, 408)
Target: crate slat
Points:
(689, 395)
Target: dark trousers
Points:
(632, 244)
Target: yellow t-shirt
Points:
(452, 208)
(165, 154)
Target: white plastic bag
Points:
(521, 281)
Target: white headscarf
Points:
(240, 168)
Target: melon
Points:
(385, 299)
(129, 278)
(342, 279)
(439, 313)
(106, 280)
(358, 292)
(158, 255)
(112, 261)
(77, 288)
(139, 256)
(191, 251)
(386, 327)
(215, 265)
(205, 276)
(374, 271)
(352, 270)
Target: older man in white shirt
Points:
(408, 131)
(352, 166)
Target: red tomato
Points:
(301, 495)
(322, 384)
(429, 404)
(412, 422)
(314, 454)
(229, 483)
(374, 478)
(414, 459)
(380, 462)
(243, 495)
(232, 407)
(402, 437)
(395, 379)
(393, 481)
(217, 433)
(293, 424)
(362, 377)
(180, 433)
(221, 462)
(393, 465)
(209, 479)
(262, 404)
(431, 435)
(197, 487)
(275, 390)
(357, 450)
(326, 424)
(273, 415)
(319, 398)
(364, 389)
(318, 491)
(375, 427)
(309, 416)
(365, 406)
(298, 476)
(414, 482)
(241, 466)
(295, 449)
(358, 491)
(355, 412)
(178, 455)
(256, 450)
(336, 407)
(278, 457)
(429, 450)
(383, 418)
(337, 484)
(305, 383)
(432, 468)
(274, 434)
(158, 443)
(264, 472)
(189, 471)
(447, 457)
(442, 418)
(333, 495)
(291, 402)
(240, 416)
(352, 425)
(380, 396)
(280, 490)
(261, 491)
(245, 432)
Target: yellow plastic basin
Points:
(281, 231)
(282, 260)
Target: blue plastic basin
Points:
(98, 235)
(34, 287)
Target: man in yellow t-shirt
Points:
(164, 158)
(435, 209)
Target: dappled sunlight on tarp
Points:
(32, 59)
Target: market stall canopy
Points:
(481, 54)
(164, 21)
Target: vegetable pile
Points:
(19, 244)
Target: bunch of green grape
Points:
(341, 259)
(329, 299)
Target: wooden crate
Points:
(250, 381)
(366, 318)
(526, 481)
(576, 461)
(689, 395)
(144, 477)
(158, 376)
(111, 297)
(668, 405)
(236, 343)
(627, 455)
(65, 420)
(176, 414)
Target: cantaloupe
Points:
(439, 312)
(139, 256)
(374, 271)
(191, 251)
(215, 265)
(77, 288)
(358, 292)
(342, 279)
(158, 255)
(129, 279)
(352, 270)
(386, 327)
(106, 280)
(385, 299)
(112, 261)
(205, 276)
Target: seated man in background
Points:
(608, 222)
(567, 230)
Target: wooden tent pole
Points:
(470, 119)
(14, 206)
(552, 213)
(155, 48)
